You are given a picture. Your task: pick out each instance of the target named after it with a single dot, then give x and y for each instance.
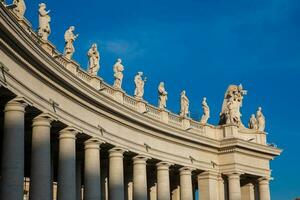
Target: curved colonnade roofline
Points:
(40, 76)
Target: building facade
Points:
(68, 135)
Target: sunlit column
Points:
(140, 177)
(116, 174)
(163, 181)
(208, 185)
(40, 176)
(264, 188)
(234, 186)
(12, 168)
(67, 164)
(186, 188)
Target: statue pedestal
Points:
(141, 106)
(96, 82)
(230, 131)
(186, 123)
(164, 115)
(72, 66)
(48, 47)
(119, 95)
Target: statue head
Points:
(183, 92)
(162, 84)
(94, 46)
(72, 28)
(259, 108)
(42, 5)
(204, 98)
(252, 116)
(140, 73)
(119, 60)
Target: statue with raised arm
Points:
(70, 37)
(184, 104)
(163, 96)
(253, 124)
(118, 73)
(206, 112)
(94, 59)
(44, 22)
(139, 85)
(20, 8)
(260, 119)
(232, 104)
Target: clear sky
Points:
(201, 46)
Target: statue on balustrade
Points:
(94, 59)
(139, 85)
(118, 74)
(253, 124)
(260, 119)
(19, 8)
(232, 104)
(44, 22)
(163, 96)
(70, 37)
(184, 104)
(206, 112)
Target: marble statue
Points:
(118, 74)
(163, 96)
(44, 22)
(253, 124)
(20, 8)
(260, 119)
(94, 59)
(184, 104)
(139, 85)
(206, 112)
(232, 104)
(69, 40)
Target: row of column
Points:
(12, 168)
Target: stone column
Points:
(67, 164)
(116, 175)
(264, 188)
(234, 186)
(92, 180)
(163, 181)
(186, 187)
(78, 177)
(140, 177)
(248, 192)
(12, 168)
(208, 185)
(221, 192)
(40, 179)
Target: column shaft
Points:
(139, 178)
(92, 180)
(163, 181)
(12, 168)
(248, 192)
(116, 174)
(186, 188)
(234, 186)
(208, 186)
(67, 165)
(264, 189)
(41, 180)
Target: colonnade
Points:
(210, 183)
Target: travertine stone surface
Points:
(184, 104)
(163, 181)
(208, 185)
(118, 73)
(12, 167)
(20, 8)
(94, 60)
(234, 186)
(140, 177)
(186, 191)
(70, 37)
(162, 96)
(44, 22)
(248, 192)
(264, 188)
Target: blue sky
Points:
(201, 46)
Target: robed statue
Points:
(94, 60)
(44, 22)
(118, 73)
(70, 37)
(163, 96)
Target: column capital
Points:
(264, 180)
(163, 165)
(233, 175)
(69, 132)
(43, 119)
(209, 175)
(117, 152)
(93, 143)
(17, 104)
(140, 159)
(186, 170)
